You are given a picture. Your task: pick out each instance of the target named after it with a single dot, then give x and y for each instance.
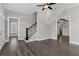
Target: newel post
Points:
(26, 33)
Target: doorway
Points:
(13, 28)
(63, 33)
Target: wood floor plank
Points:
(37, 48)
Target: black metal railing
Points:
(31, 31)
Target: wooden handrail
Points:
(32, 25)
(28, 29)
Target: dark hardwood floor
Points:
(48, 47)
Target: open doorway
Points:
(13, 28)
(63, 33)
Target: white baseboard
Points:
(54, 38)
(30, 40)
(72, 42)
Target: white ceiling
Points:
(27, 8)
(30, 8)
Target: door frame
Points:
(18, 26)
(69, 20)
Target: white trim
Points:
(8, 29)
(69, 19)
(44, 38)
(30, 40)
(72, 42)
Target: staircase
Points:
(31, 31)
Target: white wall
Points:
(2, 17)
(71, 14)
(74, 32)
(51, 19)
(54, 30)
(47, 24)
(43, 29)
(25, 21)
